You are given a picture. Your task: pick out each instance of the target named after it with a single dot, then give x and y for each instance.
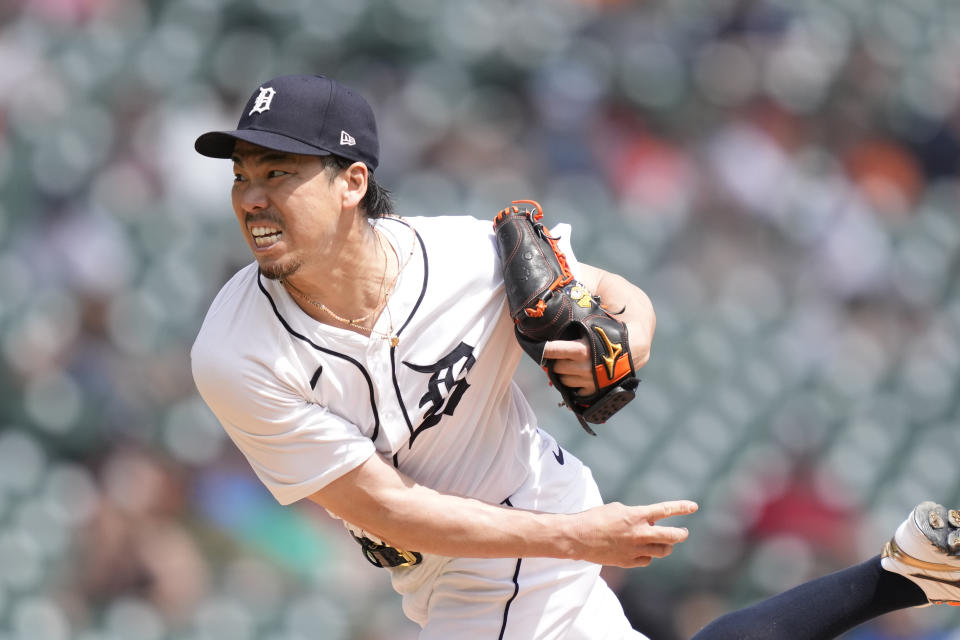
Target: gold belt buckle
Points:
(409, 558)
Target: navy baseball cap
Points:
(309, 115)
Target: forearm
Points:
(381, 500)
(411, 516)
(425, 520)
(620, 295)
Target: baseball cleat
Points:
(926, 549)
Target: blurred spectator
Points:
(137, 545)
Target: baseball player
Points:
(364, 361)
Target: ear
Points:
(355, 180)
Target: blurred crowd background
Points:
(781, 176)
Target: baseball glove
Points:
(547, 303)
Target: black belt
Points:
(383, 555)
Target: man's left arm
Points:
(629, 304)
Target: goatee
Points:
(275, 271)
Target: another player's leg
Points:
(920, 565)
(926, 550)
(820, 609)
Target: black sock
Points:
(820, 609)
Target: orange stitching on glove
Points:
(561, 258)
(505, 212)
(536, 205)
(538, 312)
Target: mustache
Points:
(263, 216)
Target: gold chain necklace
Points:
(384, 304)
(356, 321)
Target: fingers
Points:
(645, 554)
(657, 534)
(658, 542)
(572, 367)
(572, 363)
(628, 536)
(566, 349)
(662, 510)
(654, 550)
(575, 375)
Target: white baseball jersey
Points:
(306, 402)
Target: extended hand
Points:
(628, 536)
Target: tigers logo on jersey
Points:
(446, 386)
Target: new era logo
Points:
(347, 139)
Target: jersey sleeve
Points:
(294, 446)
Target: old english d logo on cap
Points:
(262, 103)
(302, 114)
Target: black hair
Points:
(377, 201)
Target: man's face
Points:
(286, 204)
